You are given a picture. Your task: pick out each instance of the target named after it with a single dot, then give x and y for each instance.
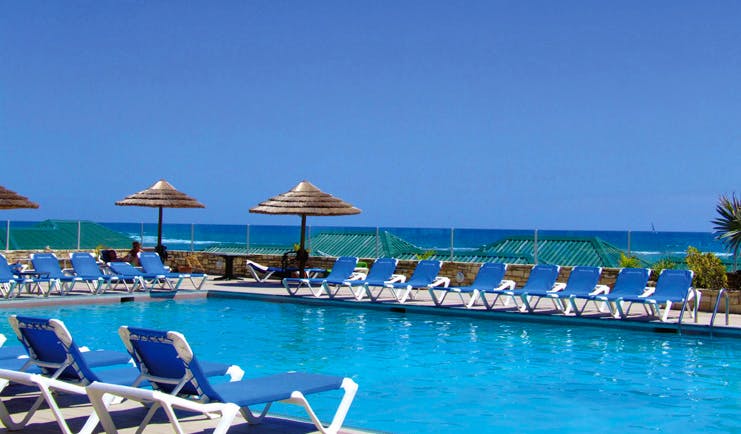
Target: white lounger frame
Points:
(359, 291)
(254, 267)
(47, 387)
(403, 294)
(473, 296)
(101, 393)
(652, 306)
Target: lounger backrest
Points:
(542, 277)
(425, 272)
(343, 268)
(47, 263)
(583, 279)
(151, 263)
(631, 281)
(165, 355)
(673, 283)
(6, 273)
(124, 269)
(48, 340)
(490, 275)
(381, 271)
(85, 264)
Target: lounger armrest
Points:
(558, 287)
(648, 291)
(397, 278)
(506, 285)
(600, 289)
(694, 292)
(440, 281)
(357, 275)
(256, 266)
(68, 271)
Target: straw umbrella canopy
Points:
(12, 200)
(305, 199)
(160, 195)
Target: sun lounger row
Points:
(167, 375)
(490, 287)
(48, 276)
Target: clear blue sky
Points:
(469, 114)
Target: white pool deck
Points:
(128, 415)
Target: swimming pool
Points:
(426, 373)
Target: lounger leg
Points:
(12, 425)
(350, 388)
(525, 304)
(619, 309)
(369, 292)
(328, 290)
(667, 309)
(405, 294)
(438, 302)
(557, 304)
(572, 303)
(316, 292)
(253, 419)
(472, 299)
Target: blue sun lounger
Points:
(582, 280)
(424, 276)
(52, 350)
(342, 270)
(630, 282)
(489, 278)
(381, 273)
(47, 266)
(9, 281)
(128, 274)
(57, 364)
(262, 273)
(86, 268)
(168, 363)
(542, 278)
(673, 286)
(152, 264)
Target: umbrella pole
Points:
(159, 231)
(301, 255)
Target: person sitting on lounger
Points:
(132, 257)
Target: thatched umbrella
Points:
(160, 195)
(304, 200)
(12, 200)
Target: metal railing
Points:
(723, 293)
(696, 307)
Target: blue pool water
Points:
(424, 373)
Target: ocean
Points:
(646, 244)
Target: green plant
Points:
(709, 270)
(662, 264)
(629, 261)
(728, 224)
(426, 255)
